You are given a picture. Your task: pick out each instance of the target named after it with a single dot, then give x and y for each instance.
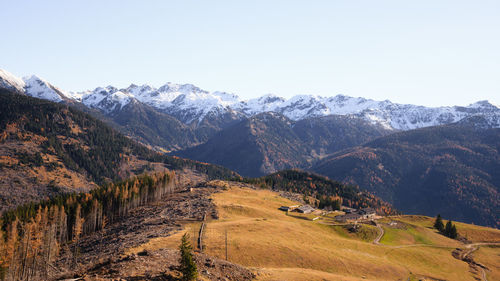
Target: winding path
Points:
(380, 234)
(465, 256)
(470, 248)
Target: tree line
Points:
(450, 230)
(32, 235)
(104, 150)
(329, 193)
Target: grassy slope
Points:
(450, 170)
(289, 248)
(489, 256)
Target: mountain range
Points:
(48, 148)
(421, 159)
(269, 142)
(451, 169)
(192, 105)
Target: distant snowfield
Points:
(192, 104)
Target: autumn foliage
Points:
(328, 192)
(32, 235)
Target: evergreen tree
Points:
(448, 229)
(453, 232)
(188, 267)
(438, 224)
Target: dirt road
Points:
(380, 234)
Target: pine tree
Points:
(188, 267)
(438, 224)
(453, 232)
(447, 229)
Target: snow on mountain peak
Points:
(265, 103)
(139, 90)
(180, 88)
(106, 99)
(11, 82)
(189, 103)
(39, 88)
(483, 104)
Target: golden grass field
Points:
(283, 247)
(490, 257)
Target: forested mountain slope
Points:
(269, 142)
(193, 115)
(49, 148)
(152, 128)
(453, 170)
(326, 191)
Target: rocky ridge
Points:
(191, 104)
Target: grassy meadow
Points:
(281, 246)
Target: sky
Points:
(431, 53)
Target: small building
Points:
(305, 209)
(288, 208)
(348, 210)
(367, 213)
(348, 217)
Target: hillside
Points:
(254, 146)
(322, 188)
(150, 127)
(131, 230)
(269, 142)
(289, 246)
(48, 148)
(451, 170)
(328, 134)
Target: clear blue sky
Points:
(421, 52)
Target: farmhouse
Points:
(348, 217)
(305, 209)
(367, 213)
(348, 210)
(353, 215)
(288, 208)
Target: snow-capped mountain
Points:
(187, 102)
(33, 86)
(39, 88)
(190, 104)
(11, 82)
(106, 99)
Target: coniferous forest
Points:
(33, 234)
(187, 141)
(328, 193)
(49, 148)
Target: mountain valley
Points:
(81, 201)
(452, 170)
(250, 141)
(267, 134)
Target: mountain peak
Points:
(40, 88)
(188, 103)
(33, 77)
(11, 82)
(267, 98)
(170, 87)
(482, 104)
